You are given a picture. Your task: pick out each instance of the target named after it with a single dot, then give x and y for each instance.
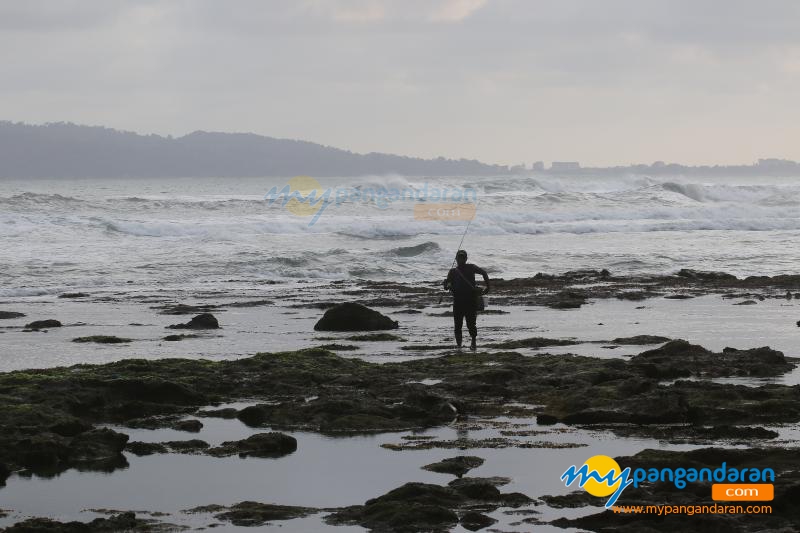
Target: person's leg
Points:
(471, 316)
(458, 320)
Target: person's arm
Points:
(483, 273)
(448, 281)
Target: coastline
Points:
(510, 393)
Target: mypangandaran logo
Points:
(602, 476)
(305, 196)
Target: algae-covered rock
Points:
(250, 514)
(353, 317)
(641, 339)
(173, 338)
(532, 342)
(418, 507)
(187, 446)
(475, 521)
(145, 448)
(120, 522)
(259, 445)
(192, 425)
(678, 358)
(375, 337)
(457, 466)
(102, 339)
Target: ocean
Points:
(180, 234)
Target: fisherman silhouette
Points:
(466, 295)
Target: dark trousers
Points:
(460, 312)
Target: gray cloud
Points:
(502, 80)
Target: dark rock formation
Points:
(259, 445)
(102, 339)
(251, 514)
(641, 339)
(680, 359)
(353, 317)
(43, 324)
(202, 321)
(192, 425)
(457, 466)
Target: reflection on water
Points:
(324, 472)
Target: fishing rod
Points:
(466, 229)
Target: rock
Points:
(569, 299)
(96, 445)
(678, 358)
(173, 338)
(254, 415)
(457, 466)
(121, 522)
(705, 275)
(151, 390)
(192, 426)
(183, 309)
(5, 315)
(477, 489)
(145, 448)
(532, 342)
(97, 449)
(422, 507)
(475, 521)
(259, 445)
(43, 324)
(70, 427)
(641, 339)
(227, 412)
(546, 420)
(747, 302)
(339, 347)
(412, 507)
(73, 295)
(249, 514)
(202, 321)
(636, 296)
(41, 452)
(5, 472)
(375, 337)
(353, 317)
(187, 446)
(102, 339)
(461, 482)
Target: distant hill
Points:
(70, 150)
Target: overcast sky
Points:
(504, 81)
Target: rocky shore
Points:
(57, 419)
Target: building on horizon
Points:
(563, 166)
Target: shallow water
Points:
(710, 321)
(324, 472)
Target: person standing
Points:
(461, 283)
